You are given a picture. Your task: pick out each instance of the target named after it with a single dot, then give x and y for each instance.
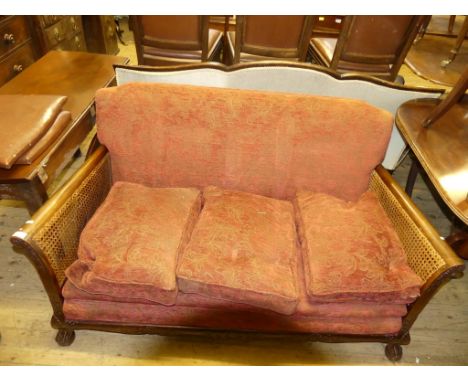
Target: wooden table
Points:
(77, 75)
(442, 151)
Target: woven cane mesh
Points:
(58, 238)
(422, 257)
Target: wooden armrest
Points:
(50, 239)
(428, 255)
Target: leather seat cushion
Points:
(351, 251)
(243, 249)
(325, 47)
(24, 120)
(131, 245)
(195, 136)
(248, 57)
(214, 39)
(51, 135)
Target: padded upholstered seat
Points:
(171, 40)
(214, 41)
(222, 319)
(131, 244)
(247, 57)
(325, 48)
(269, 37)
(351, 251)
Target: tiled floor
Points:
(440, 335)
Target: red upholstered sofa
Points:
(211, 210)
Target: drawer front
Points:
(47, 21)
(76, 42)
(16, 62)
(110, 34)
(55, 34)
(73, 25)
(13, 32)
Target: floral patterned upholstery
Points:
(131, 244)
(232, 258)
(156, 314)
(266, 143)
(351, 251)
(243, 249)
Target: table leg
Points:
(412, 175)
(32, 192)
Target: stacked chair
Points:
(259, 38)
(174, 40)
(371, 45)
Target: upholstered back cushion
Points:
(267, 143)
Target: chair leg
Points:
(394, 352)
(65, 337)
(412, 175)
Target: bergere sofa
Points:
(210, 210)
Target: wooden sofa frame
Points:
(50, 241)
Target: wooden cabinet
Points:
(60, 33)
(17, 46)
(100, 33)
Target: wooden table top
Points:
(442, 149)
(78, 75)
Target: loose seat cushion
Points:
(266, 143)
(58, 126)
(243, 249)
(351, 252)
(131, 245)
(24, 119)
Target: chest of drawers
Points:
(17, 46)
(60, 33)
(100, 33)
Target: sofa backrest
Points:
(269, 143)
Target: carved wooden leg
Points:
(458, 43)
(65, 337)
(32, 192)
(458, 240)
(394, 352)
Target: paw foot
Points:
(394, 352)
(65, 337)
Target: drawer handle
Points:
(110, 31)
(17, 68)
(58, 37)
(9, 38)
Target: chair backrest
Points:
(377, 44)
(268, 143)
(273, 36)
(184, 33)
